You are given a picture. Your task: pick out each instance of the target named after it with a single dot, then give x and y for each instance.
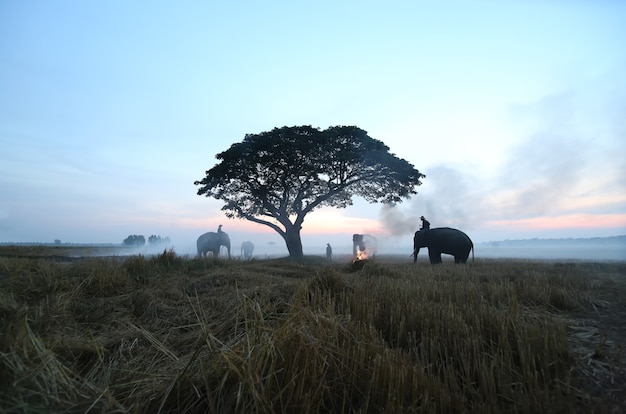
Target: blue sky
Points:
(514, 111)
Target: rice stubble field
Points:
(170, 333)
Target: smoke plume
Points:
(445, 201)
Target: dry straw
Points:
(174, 334)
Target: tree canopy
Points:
(134, 240)
(276, 178)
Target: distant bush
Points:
(134, 240)
(155, 240)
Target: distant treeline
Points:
(536, 242)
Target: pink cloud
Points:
(572, 221)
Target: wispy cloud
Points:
(571, 221)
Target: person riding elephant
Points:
(443, 240)
(212, 242)
(425, 227)
(247, 248)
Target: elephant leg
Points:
(435, 256)
(461, 258)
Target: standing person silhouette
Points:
(329, 252)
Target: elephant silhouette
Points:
(247, 248)
(443, 240)
(364, 243)
(212, 242)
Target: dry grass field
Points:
(174, 334)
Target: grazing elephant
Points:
(443, 240)
(247, 248)
(211, 242)
(364, 243)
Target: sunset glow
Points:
(572, 221)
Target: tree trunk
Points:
(294, 242)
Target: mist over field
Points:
(541, 251)
(615, 252)
(268, 246)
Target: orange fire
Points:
(360, 255)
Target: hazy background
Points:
(514, 111)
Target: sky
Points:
(514, 111)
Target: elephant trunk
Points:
(416, 251)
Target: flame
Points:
(360, 255)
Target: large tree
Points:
(276, 178)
